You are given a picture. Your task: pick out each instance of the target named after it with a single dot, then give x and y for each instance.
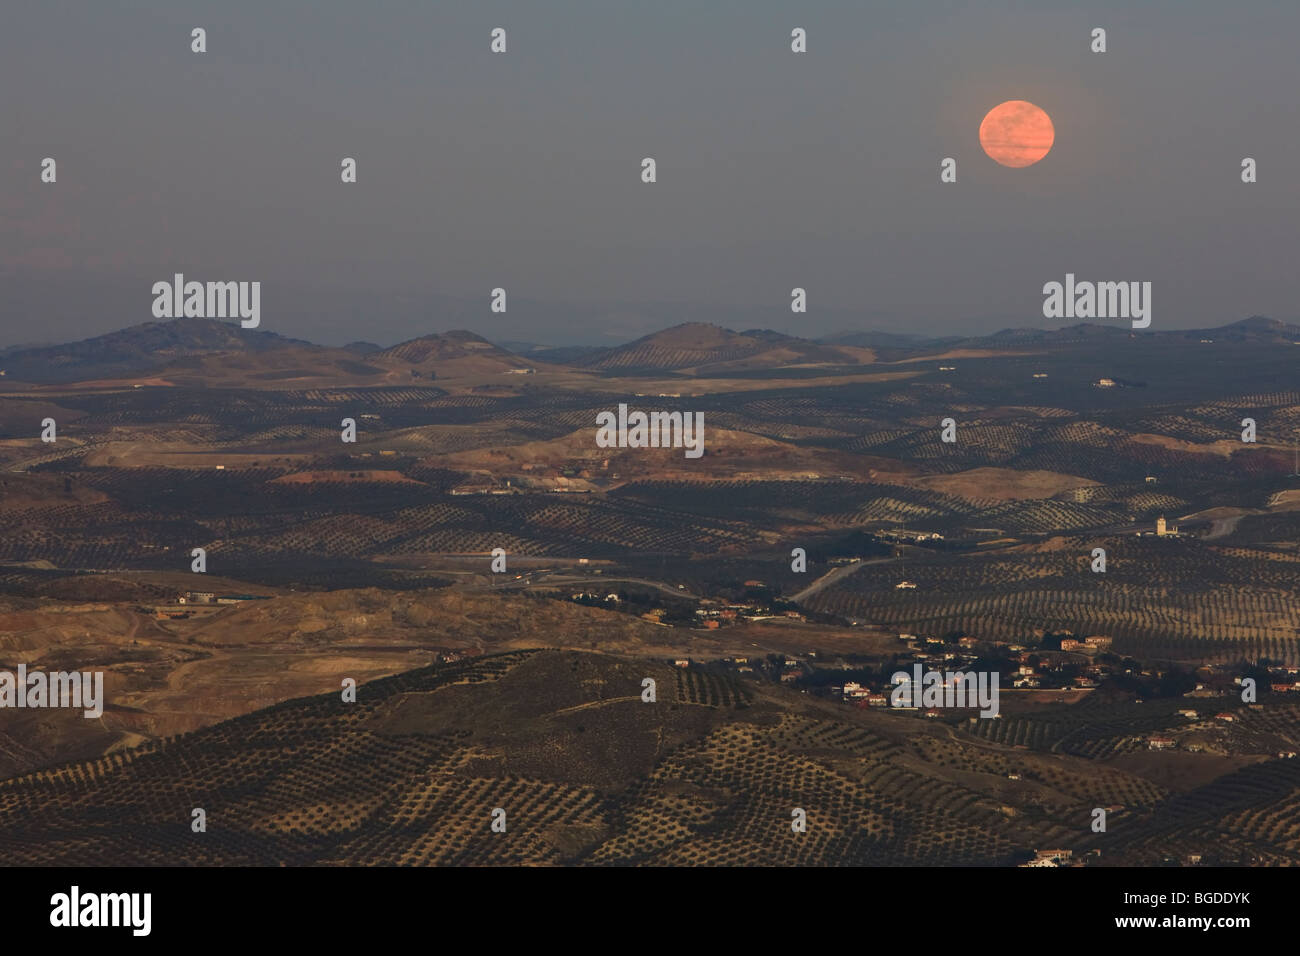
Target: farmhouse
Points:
(1056, 856)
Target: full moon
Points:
(1017, 133)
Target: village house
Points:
(855, 691)
(1056, 856)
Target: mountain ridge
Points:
(194, 347)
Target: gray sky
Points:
(522, 170)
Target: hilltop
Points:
(139, 348)
(703, 349)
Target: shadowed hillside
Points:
(588, 772)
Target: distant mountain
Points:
(884, 340)
(708, 348)
(207, 351)
(445, 354)
(1257, 328)
(564, 354)
(520, 348)
(451, 353)
(442, 345)
(1081, 332)
(138, 349)
(221, 353)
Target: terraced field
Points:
(1176, 598)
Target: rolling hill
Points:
(561, 750)
(706, 349)
(139, 349)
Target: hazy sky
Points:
(522, 170)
